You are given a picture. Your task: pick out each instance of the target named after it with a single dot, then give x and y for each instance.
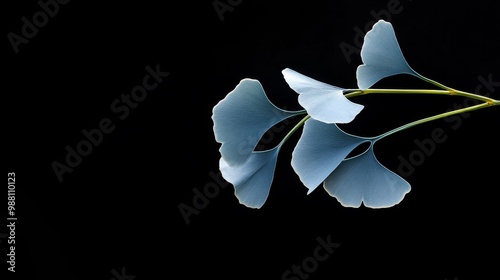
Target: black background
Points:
(119, 208)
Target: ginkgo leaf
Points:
(323, 102)
(242, 117)
(320, 157)
(362, 179)
(320, 149)
(252, 180)
(381, 55)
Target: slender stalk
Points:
(486, 102)
(436, 117)
(397, 91)
(408, 91)
(434, 83)
(292, 131)
(491, 101)
(453, 92)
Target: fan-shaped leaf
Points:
(320, 149)
(252, 180)
(362, 179)
(323, 102)
(242, 117)
(381, 55)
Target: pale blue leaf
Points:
(242, 117)
(362, 179)
(252, 180)
(323, 102)
(381, 55)
(320, 149)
